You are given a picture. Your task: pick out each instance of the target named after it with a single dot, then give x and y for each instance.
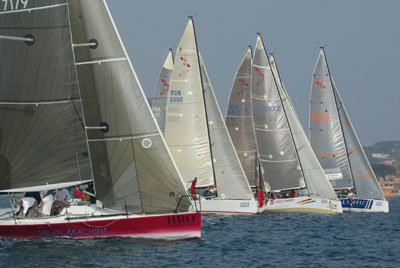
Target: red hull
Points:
(169, 226)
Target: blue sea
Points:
(347, 240)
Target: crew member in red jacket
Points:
(261, 198)
(193, 187)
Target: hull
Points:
(225, 206)
(365, 205)
(304, 204)
(165, 227)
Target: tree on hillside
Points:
(381, 170)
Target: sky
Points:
(361, 38)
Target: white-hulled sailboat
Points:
(197, 137)
(289, 168)
(159, 102)
(338, 148)
(72, 110)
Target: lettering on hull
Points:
(73, 232)
(181, 219)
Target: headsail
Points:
(364, 178)
(326, 134)
(42, 138)
(229, 175)
(239, 120)
(316, 181)
(159, 102)
(131, 164)
(278, 158)
(186, 130)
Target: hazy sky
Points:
(362, 40)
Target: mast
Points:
(284, 110)
(340, 118)
(204, 100)
(258, 164)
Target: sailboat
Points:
(198, 139)
(338, 148)
(159, 102)
(288, 166)
(239, 121)
(72, 111)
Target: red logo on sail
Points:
(166, 86)
(320, 83)
(187, 65)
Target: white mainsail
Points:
(239, 120)
(186, 128)
(316, 181)
(229, 175)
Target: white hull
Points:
(226, 206)
(366, 205)
(304, 204)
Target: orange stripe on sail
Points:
(323, 116)
(355, 149)
(332, 155)
(363, 175)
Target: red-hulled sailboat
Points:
(72, 111)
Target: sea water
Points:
(283, 240)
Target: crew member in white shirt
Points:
(25, 203)
(47, 203)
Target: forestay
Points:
(131, 165)
(326, 134)
(277, 153)
(42, 137)
(159, 102)
(316, 181)
(239, 120)
(229, 175)
(186, 130)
